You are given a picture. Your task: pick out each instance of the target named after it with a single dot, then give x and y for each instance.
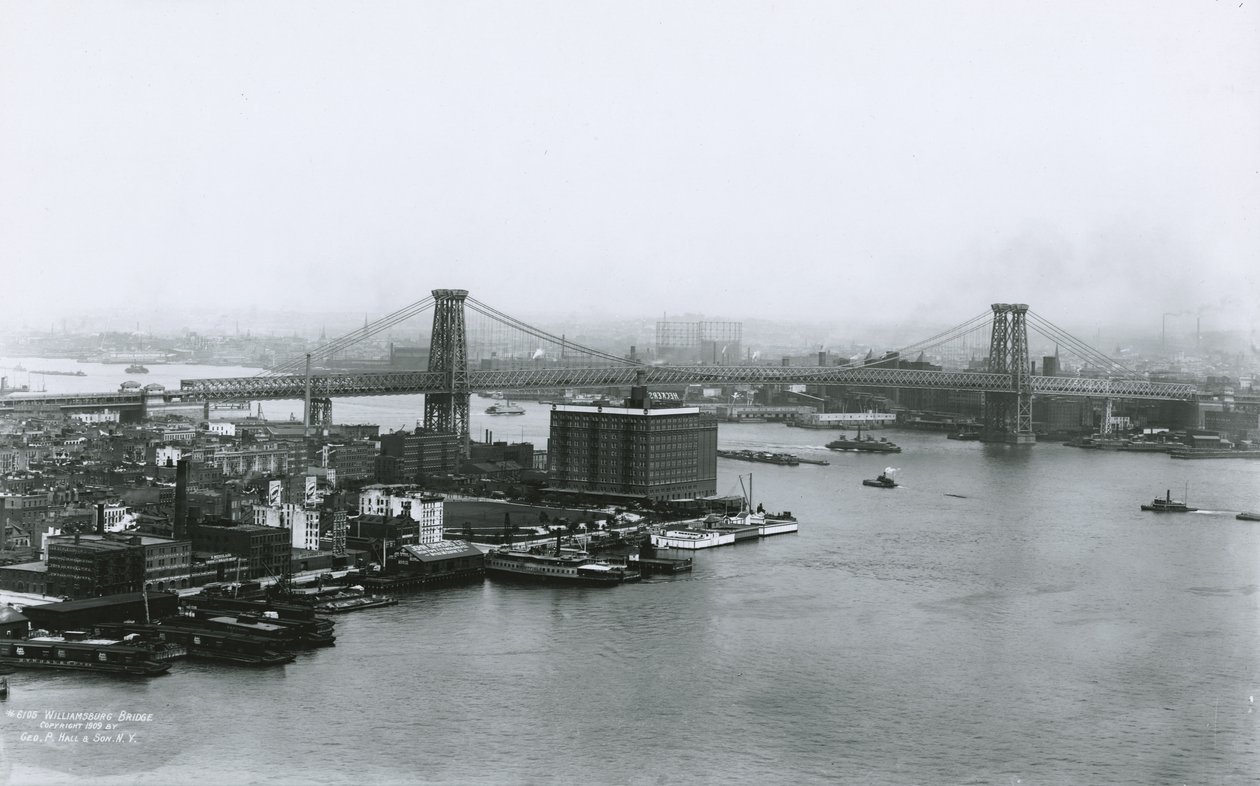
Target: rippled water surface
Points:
(1036, 629)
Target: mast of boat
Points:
(746, 493)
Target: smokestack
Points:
(100, 518)
(181, 499)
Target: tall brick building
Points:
(664, 452)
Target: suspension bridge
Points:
(499, 352)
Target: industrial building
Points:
(664, 452)
(260, 551)
(410, 456)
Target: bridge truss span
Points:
(324, 385)
(1112, 388)
(413, 382)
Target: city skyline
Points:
(873, 164)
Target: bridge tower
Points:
(1008, 414)
(448, 353)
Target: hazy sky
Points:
(881, 161)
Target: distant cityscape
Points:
(116, 495)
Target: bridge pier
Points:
(1008, 414)
(448, 353)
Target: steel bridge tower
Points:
(448, 353)
(1008, 414)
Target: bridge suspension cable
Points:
(353, 337)
(1052, 331)
(510, 321)
(974, 324)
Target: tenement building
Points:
(653, 449)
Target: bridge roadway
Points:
(397, 383)
(402, 383)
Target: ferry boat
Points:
(104, 655)
(506, 408)
(136, 368)
(881, 482)
(563, 568)
(1168, 505)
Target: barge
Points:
(101, 655)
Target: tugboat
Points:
(1168, 505)
(136, 368)
(884, 481)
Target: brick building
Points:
(661, 453)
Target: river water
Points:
(1038, 628)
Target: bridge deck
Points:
(403, 383)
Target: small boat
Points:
(965, 434)
(506, 408)
(881, 482)
(1168, 505)
(136, 368)
(1244, 516)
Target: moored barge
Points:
(101, 655)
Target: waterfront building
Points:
(87, 565)
(82, 614)
(261, 551)
(664, 452)
(427, 510)
(428, 563)
(84, 566)
(380, 535)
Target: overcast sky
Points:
(882, 161)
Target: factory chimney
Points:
(181, 499)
